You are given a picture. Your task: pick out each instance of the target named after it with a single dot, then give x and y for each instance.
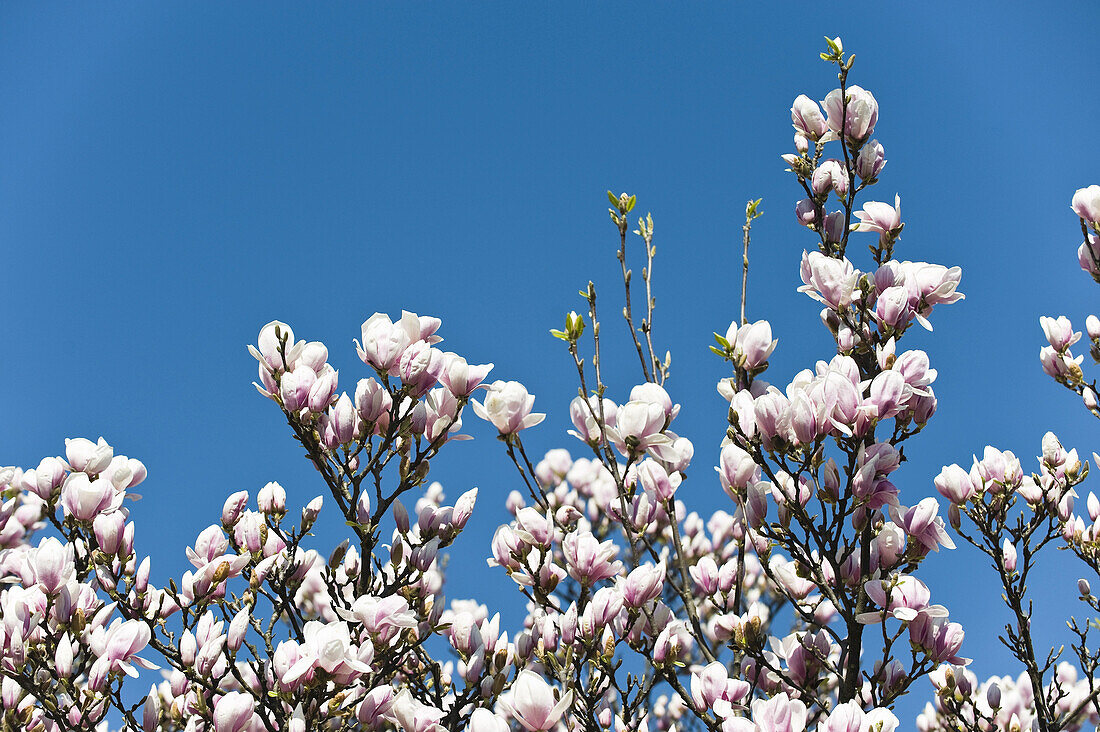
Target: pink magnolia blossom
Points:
(713, 689)
(752, 343)
(955, 485)
(328, 646)
(904, 597)
(508, 407)
(460, 377)
(531, 703)
(870, 161)
(922, 522)
(233, 712)
(589, 560)
(879, 217)
(833, 282)
(852, 115)
(639, 427)
(779, 714)
(1059, 332)
(807, 118)
(1086, 204)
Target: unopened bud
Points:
(233, 507)
(993, 696)
(221, 573)
(954, 516)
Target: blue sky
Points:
(173, 176)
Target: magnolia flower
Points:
(53, 564)
(922, 522)
(586, 414)
(904, 597)
(411, 715)
(673, 644)
(939, 638)
(328, 646)
(752, 343)
(655, 394)
(118, 646)
(639, 426)
(269, 348)
(88, 457)
(508, 407)
(1088, 255)
(383, 617)
(737, 469)
(955, 485)
(84, 498)
(656, 480)
(1059, 332)
(779, 714)
(830, 175)
(233, 712)
(879, 217)
(1086, 204)
(483, 720)
(531, 702)
(420, 366)
(590, 561)
(847, 717)
(712, 688)
(871, 161)
(385, 341)
(880, 719)
(460, 377)
(853, 115)
(643, 584)
(828, 280)
(807, 118)
(1008, 551)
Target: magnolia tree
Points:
(797, 606)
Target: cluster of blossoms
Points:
(1010, 516)
(797, 606)
(1057, 359)
(1003, 702)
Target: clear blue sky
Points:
(174, 175)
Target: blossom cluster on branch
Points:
(799, 605)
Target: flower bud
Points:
(1092, 326)
(108, 529)
(805, 211)
(310, 512)
(237, 629)
(871, 161)
(272, 499)
(233, 507)
(1008, 551)
(954, 484)
(322, 390)
(150, 714)
(993, 696)
(830, 175)
(1086, 204)
(345, 421)
(807, 119)
(834, 227)
(48, 477)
